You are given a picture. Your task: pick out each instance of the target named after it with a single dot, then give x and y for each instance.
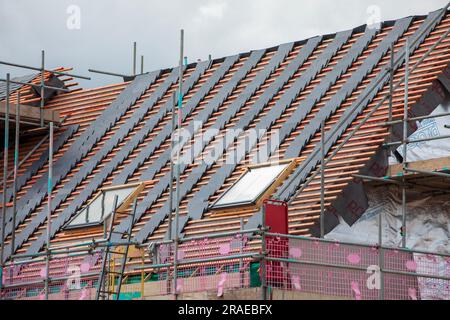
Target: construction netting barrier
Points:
(70, 278)
(202, 265)
(336, 270)
(305, 267)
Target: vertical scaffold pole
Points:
(5, 175)
(16, 167)
(405, 144)
(177, 197)
(41, 109)
(172, 143)
(103, 205)
(391, 90)
(142, 274)
(241, 251)
(263, 256)
(134, 58)
(322, 182)
(380, 216)
(49, 210)
(380, 258)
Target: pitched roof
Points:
(120, 134)
(15, 86)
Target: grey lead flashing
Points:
(75, 153)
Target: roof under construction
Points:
(115, 140)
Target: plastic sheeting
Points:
(427, 221)
(430, 128)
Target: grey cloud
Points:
(216, 27)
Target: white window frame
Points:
(288, 165)
(121, 206)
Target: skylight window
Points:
(101, 206)
(251, 186)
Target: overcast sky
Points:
(99, 33)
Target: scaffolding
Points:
(273, 252)
(41, 88)
(46, 121)
(223, 262)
